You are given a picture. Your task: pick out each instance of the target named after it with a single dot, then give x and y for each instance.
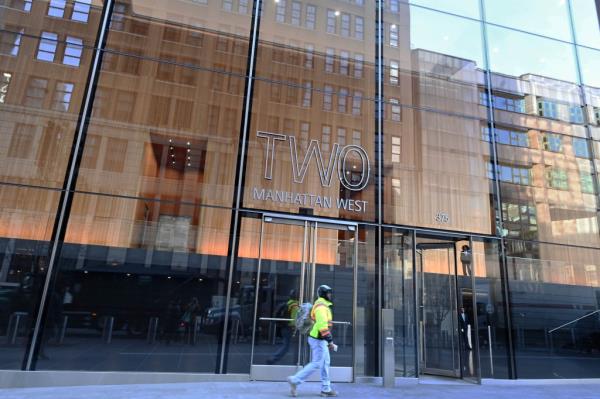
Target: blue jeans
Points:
(319, 360)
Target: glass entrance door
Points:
(296, 256)
(447, 321)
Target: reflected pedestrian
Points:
(287, 332)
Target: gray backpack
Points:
(304, 322)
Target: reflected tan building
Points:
(171, 173)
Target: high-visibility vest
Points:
(322, 316)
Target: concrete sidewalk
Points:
(233, 390)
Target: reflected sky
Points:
(446, 34)
(544, 17)
(469, 8)
(587, 28)
(590, 66)
(515, 53)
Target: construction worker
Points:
(320, 341)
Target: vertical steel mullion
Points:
(379, 158)
(507, 315)
(354, 302)
(257, 289)
(584, 98)
(416, 305)
(379, 270)
(453, 278)
(303, 264)
(491, 120)
(404, 308)
(475, 328)
(62, 216)
(302, 287)
(235, 236)
(379, 134)
(313, 271)
(512, 365)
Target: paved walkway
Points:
(259, 390)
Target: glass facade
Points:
(173, 173)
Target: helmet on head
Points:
(323, 291)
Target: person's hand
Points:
(332, 347)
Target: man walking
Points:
(320, 341)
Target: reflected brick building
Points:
(410, 168)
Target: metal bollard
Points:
(152, 330)
(14, 324)
(389, 350)
(490, 348)
(109, 322)
(63, 329)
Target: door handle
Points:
(273, 319)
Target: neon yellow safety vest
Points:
(322, 316)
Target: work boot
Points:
(329, 394)
(293, 387)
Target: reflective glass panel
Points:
(311, 151)
(516, 53)
(436, 172)
(26, 222)
(491, 307)
(77, 18)
(207, 34)
(140, 287)
(554, 294)
(548, 18)
(324, 44)
(468, 8)
(586, 18)
(39, 106)
(398, 294)
(433, 60)
(163, 130)
(590, 64)
(547, 192)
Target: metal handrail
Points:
(281, 319)
(573, 321)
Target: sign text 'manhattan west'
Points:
(327, 168)
(308, 200)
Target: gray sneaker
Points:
(293, 387)
(329, 394)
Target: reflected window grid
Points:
(580, 148)
(552, 142)
(36, 92)
(81, 10)
(10, 42)
(56, 8)
(73, 51)
(557, 178)
(47, 47)
(62, 96)
(21, 5)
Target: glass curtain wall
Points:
(490, 125)
(45, 56)
(543, 129)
